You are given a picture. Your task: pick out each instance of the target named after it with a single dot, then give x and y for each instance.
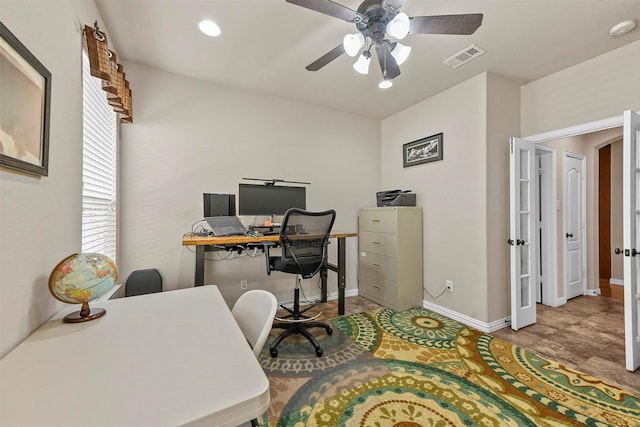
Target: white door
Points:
(539, 228)
(574, 225)
(523, 176)
(631, 226)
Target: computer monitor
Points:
(216, 204)
(257, 199)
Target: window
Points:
(98, 167)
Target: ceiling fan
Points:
(376, 21)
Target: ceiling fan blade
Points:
(328, 8)
(446, 24)
(326, 58)
(387, 62)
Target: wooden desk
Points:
(167, 359)
(201, 242)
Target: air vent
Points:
(464, 56)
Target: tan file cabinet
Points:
(390, 256)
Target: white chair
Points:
(254, 312)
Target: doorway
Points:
(574, 224)
(610, 261)
(548, 206)
(546, 196)
(576, 272)
(521, 239)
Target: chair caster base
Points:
(273, 352)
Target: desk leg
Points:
(342, 273)
(199, 279)
(323, 289)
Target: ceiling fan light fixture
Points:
(398, 27)
(352, 43)
(400, 52)
(209, 28)
(385, 84)
(362, 64)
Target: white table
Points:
(166, 359)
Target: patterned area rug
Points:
(417, 368)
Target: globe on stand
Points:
(80, 278)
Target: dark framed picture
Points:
(423, 150)
(25, 85)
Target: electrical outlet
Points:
(449, 285)
(243, 285)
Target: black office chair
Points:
(142, 282)
(304, 237)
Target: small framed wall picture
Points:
(423, 150)
(25, 85)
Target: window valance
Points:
(104, 65)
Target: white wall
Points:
(596, 89)
(503, 122)
(463, 196)
(40, 216)
(174, 151)
(451, 191)
(191, 136)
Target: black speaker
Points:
(216, 204)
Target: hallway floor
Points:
(586, 333)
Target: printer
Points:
(396, 198)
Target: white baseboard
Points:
(347, 293)
(466, 320)
(558, 302)
(330, 296)
(616, 282)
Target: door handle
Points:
(617, 251)
(519, 242)
(510, 242)
(628, 252)
(569, 235)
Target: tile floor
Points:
(586, 333)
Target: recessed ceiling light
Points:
(622, 28)
(385, 84)
(209, 27)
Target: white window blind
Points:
(99, 168)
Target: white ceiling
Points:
(266, 44)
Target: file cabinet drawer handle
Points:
(376, 265)
(377, 287)
(377, 221)
(376, 243)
